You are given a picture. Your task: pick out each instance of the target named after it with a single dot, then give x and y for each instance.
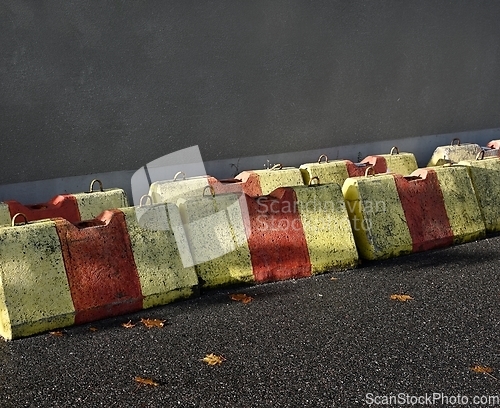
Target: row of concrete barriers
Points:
(88, 264)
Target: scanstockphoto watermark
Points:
(276, 215)
(434, 398)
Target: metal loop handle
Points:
(311, 181)
(19, 215)
(394, 148)
(480, 155)
(323, 156)
(367, 171)
(145, 197)
(455, 140)
(277, 166)
(211, 188)
(178, 174)
(92, 183)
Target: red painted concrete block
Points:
(100, 267)
(424, 207)
(64, 206)
(276, 238)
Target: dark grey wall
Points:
(98, 86)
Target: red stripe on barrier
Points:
(378, 163)
(425, 211)
(276, 238)
(250, 183)
(64, 206)
(100, 266)
(226, 186)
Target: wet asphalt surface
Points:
(313, 342)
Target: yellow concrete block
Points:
(34, 290)
(161, 253)
(270, 179)
(4, 215)
(327, 172)
(327, 229)
(454, 153)
(92, 204)
(216, 234)
(377, 217)
(485, 177)
(461, 203)
(400, 163)
(169, 191)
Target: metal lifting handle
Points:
(92, 183)
(367, 171)
(323, 156)
(19, 215)
(277, 166)
(394, 149)
(144, 199)
(211, 188)
(316, 183)
(178, 174)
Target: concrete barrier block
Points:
(425, 211)
(5, 214)
(485, 177)
(276, 237)
(93, 203)
(65, 206)
(430, 208)
(326, 226)
(257, 183)
(216, 234)
(454, 153)
(71, 207)
(337, 171)
(161, 254)
(461, 203)
(34, 289)
(169, 191)
(100, 266)
(399, 163)
(377, 217)
(493, 144)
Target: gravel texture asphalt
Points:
(335, 340)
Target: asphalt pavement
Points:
(334, 340)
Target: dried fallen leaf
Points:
(146, 381)
(334, 278)
(149, 323)
(241, 297)
(482, 369)
(57, 333)
(93, 329)
(213, 359)
(128, 325)
(401, 298)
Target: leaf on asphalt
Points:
(128, 325)
(401, 298)
(146, 381)
(241, 297)
(213, 359)
(482, 369)
(57, 333)
(93, 329)
(150, 323)
(334, 278)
